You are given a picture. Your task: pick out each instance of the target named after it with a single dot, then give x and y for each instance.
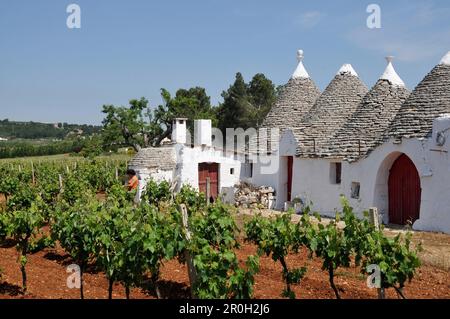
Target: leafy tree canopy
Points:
(246, 105)
(138, 125)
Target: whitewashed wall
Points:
(288, 146)
(313, 183)
(190, 158)
(186, 171)
(433, 166)
(265, 171)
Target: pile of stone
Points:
(249, 196)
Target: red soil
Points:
(47, 279)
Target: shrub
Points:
(395, 257)
(23, 226)
(156, 192)
(277, 237)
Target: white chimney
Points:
(203, 132)
(179, 130)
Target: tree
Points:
(140, 126)
(193, 104)
(236, 108)
(262, 94)
(93, 147)
(126, 125)
(246, 105)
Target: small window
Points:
(251, 170)
(269, 143)
(231, 171)
(355, 190)
(335, 173)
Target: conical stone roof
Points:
(295, 99)
(367, 127)
(429, 99)
(331, 110)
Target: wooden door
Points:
(290, 163)
(404, 192)
(209, 171)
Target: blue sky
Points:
(129, 49)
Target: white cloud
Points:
(405, 45)
(309, 19)
(419, 38)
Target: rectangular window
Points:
(335, 173)
(338, 173)
(231, 171)
(355, 190)
(247, 170)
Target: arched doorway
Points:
(404, 191)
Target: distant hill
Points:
(36, 130)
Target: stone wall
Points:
(250, 196)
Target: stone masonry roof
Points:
(331, 110)
(162, 158)
(295, 100)
(367, 127)
(296, 97)
(428, 100)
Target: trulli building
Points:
(207, 167)
(383, 147)
(390, 151)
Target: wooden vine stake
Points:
(189, 259)
(375, 221)
(208, 190)
(374, 217)
(60, 183)
(32, 174)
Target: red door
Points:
(209, 171)
(290, 162)
(404, 192)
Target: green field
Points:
(64, 157)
